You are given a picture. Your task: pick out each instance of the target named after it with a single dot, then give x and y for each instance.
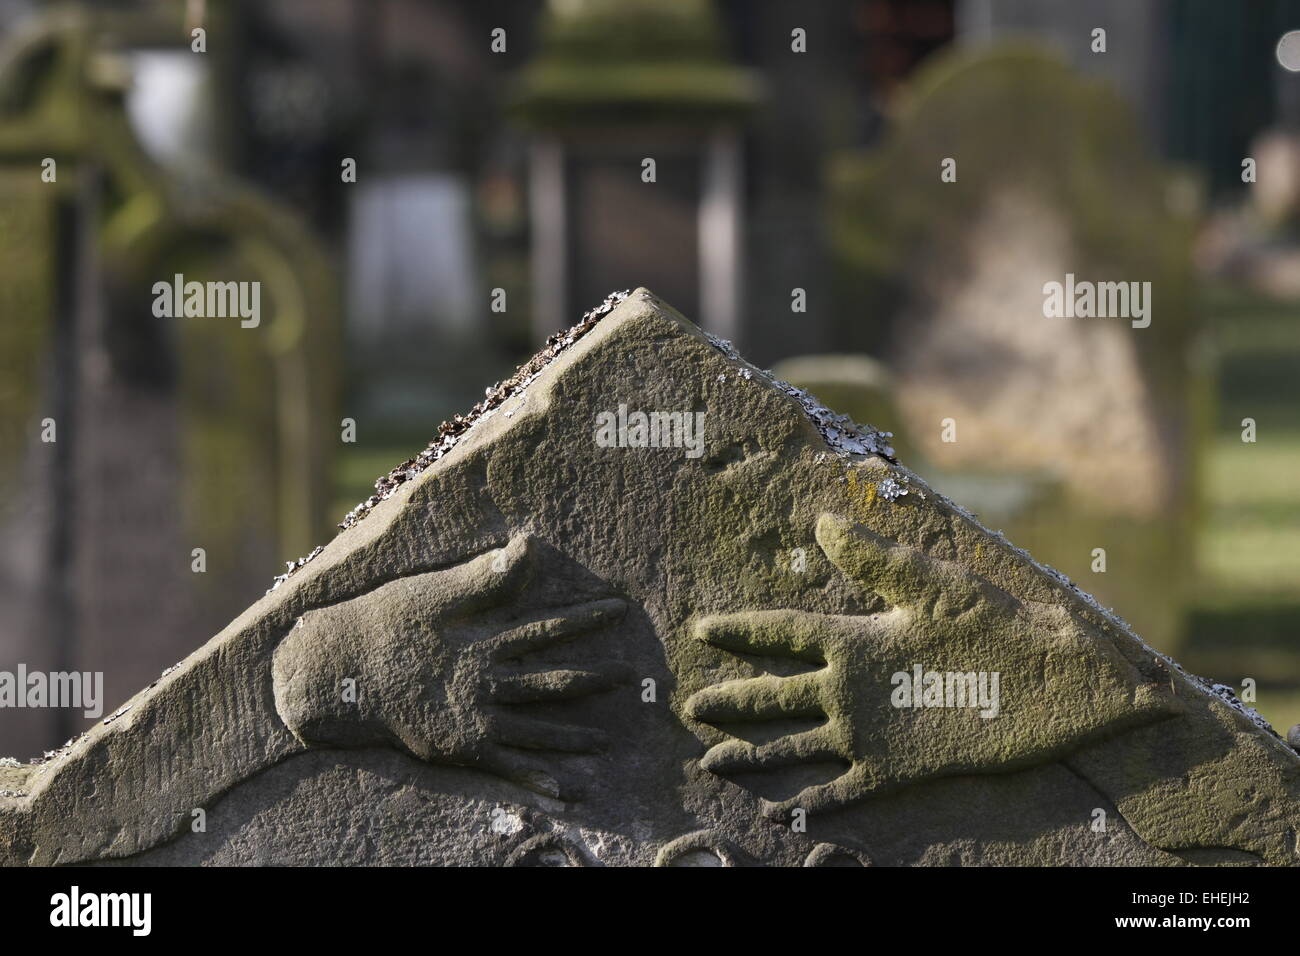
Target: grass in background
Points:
(1246, 622)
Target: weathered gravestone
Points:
(1007, 172)
(145, 458)
(543, 643)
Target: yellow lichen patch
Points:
(862, 493)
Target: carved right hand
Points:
(1062, 683)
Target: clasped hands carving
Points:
(447, 669)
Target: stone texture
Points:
(568, 654)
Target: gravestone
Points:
(549, 640)
(129, 439)
(1093, 413)
(634, 110)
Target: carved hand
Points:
(438, 668)
(1060, 683)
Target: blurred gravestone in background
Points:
(1071, 434)
(616, 84)
(172, 434)
(1135, 55)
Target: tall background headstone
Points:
(1070, 433)
(156, 463)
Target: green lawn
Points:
(358, 466)
(1246, 622)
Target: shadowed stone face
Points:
(544, 650)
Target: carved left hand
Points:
(437, 664)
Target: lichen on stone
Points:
(1229, 696)
(891, 489)
(292, 566)
(843, 435)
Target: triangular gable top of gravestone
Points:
(550, 616)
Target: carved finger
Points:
(820, 798)
(902, 575)
(511, 765)
(760, 698)
(740, 756)
(779, 633)
(540, 634)
(492, 579)
(897, 573)
(539, 686)
(531, 733)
